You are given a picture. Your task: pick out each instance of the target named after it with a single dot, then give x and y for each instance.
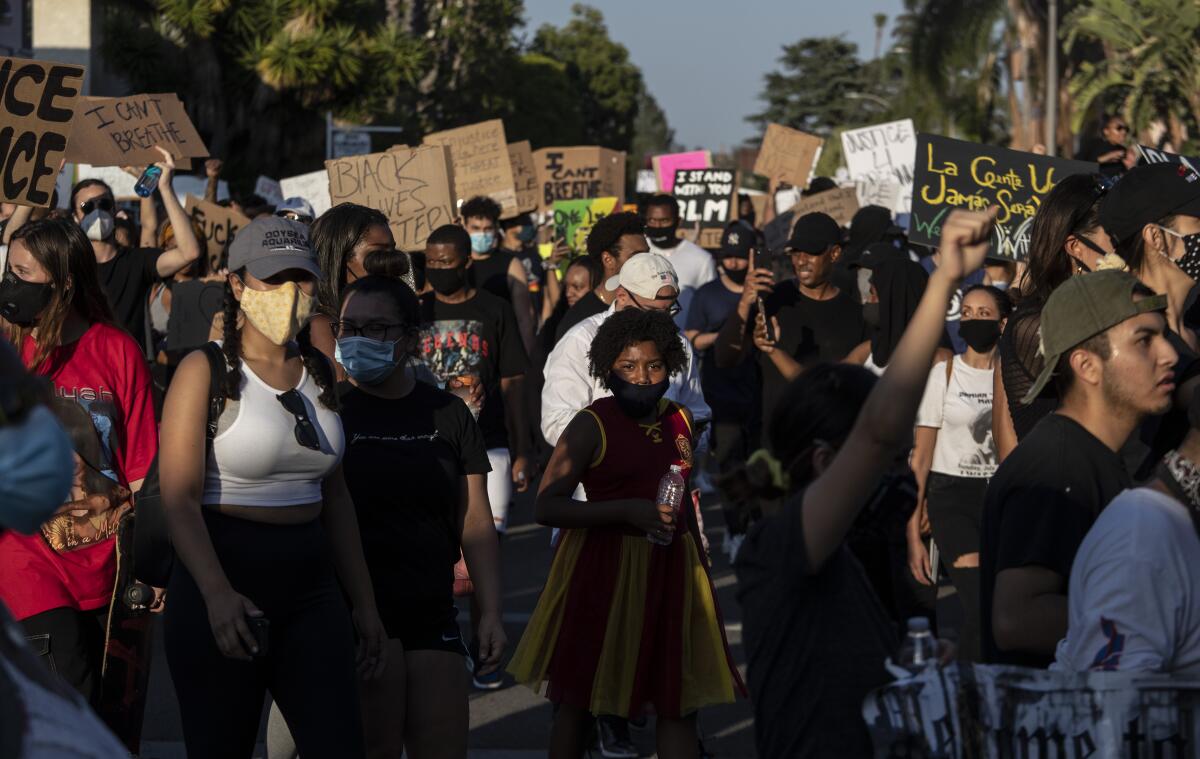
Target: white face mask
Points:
(98, 225)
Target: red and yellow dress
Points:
(623, 625)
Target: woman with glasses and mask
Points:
(400, 430)
(628, 619)
(58, 582)
(266, 535)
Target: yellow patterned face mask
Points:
(278, 314)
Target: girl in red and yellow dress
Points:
(625, 626)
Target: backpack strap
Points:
(216, 386)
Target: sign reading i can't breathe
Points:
(37, 103)
(124, 131)
(956, 174)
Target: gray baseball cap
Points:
(270, 245)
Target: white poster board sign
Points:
(313, 187)
(269, 190)
(883, 154)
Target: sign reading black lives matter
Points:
(954, 174)
(706, 196)
(37, 103)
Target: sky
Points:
(704, 60)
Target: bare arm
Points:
(884, 426)
(553, 293)
(20, 217)
(734, 337)
(187, 247)
(522, 305)
(701, 341)
(1029, 609)
(149, 218)
(859, 354)
(1003, 431)
(212, 170)
(513, 390)
(481, 549)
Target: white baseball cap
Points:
(644, 275)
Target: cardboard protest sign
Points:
(881, 159)
(313, 187)
(788, 154)
(573, 220)
(479, 153)
(410, 186)
(665, 166)
(840, 203)
(520, 155)
(955, 174)
(577, 173)
(38, 100)
(709, 197)
(220, 224)
(269, 190)
(124, 131)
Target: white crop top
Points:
(256, 461)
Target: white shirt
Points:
(1134, 599)
(695, 268)
(570, 387)
(962, 414)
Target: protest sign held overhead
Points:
(573, 219)
(665, 166)
(124, 131)
(410, 186)
(707, 196)
(578, 173)
(520, 155)
(839, 203)
(479, 154)
(788, 154)
(313, 187)
(881, 160)
(38, 100)
(269, 190)
(955, 174)
(220, 224)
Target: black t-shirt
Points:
(491, 273)
(811, 331)
(478, 336)
(589, 305)
(815, 642)
(403, 464)
(733, 392)
(1040, 504)
(126, 280)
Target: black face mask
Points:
(871, 315)
(636, 401)
(980, 334)
(737, 277)
(663, 237)
(21, 301)
(446, 281)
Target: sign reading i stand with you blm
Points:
(955, 174)
(124, 131)
(706, 196)
(479, 153)
(37, 103)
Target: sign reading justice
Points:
(37, 103)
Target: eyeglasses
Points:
(1121, 127)
(374, 330)
(671, 310)
(102, 202)
(306, 431)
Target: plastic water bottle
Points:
(148, 181)
(670, 490)
(919, 647)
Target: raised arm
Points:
(518, 287)
(734, 338)
(884, 426)
(187, 247)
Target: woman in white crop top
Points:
(264, 528)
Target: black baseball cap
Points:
(737, 240)
(814, 233)
(877, 253)
(1145, 195)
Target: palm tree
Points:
(880, 23)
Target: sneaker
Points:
(612, 735)
(491, 681)
(641, 723)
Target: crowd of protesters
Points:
(333, 431)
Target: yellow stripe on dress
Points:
(706, 676)
(603, 440)
(532, 657)
(617, 666)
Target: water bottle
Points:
(670, 490)
(918, 648)
(148, 181)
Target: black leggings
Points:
(955, 508)
(71, 643)
(287, 571)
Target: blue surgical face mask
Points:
(482, 242)
(527, 234)
(367, 361)
(38, 462)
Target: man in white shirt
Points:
(694, 265)
(647, 281)
(1134, 601)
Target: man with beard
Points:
(693, 264)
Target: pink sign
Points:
(665, 166)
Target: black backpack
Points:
(153, 554)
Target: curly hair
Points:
(608, 231)
(631, 326)
(480, 207)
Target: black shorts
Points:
(420, 625)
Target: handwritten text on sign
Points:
(881, 160)
(704, 195)
(220, 225)
(37, 101)
(955, 174)
(124, 131)
(578, 172)
(573, 220)
(410, 186)
(479, 153)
